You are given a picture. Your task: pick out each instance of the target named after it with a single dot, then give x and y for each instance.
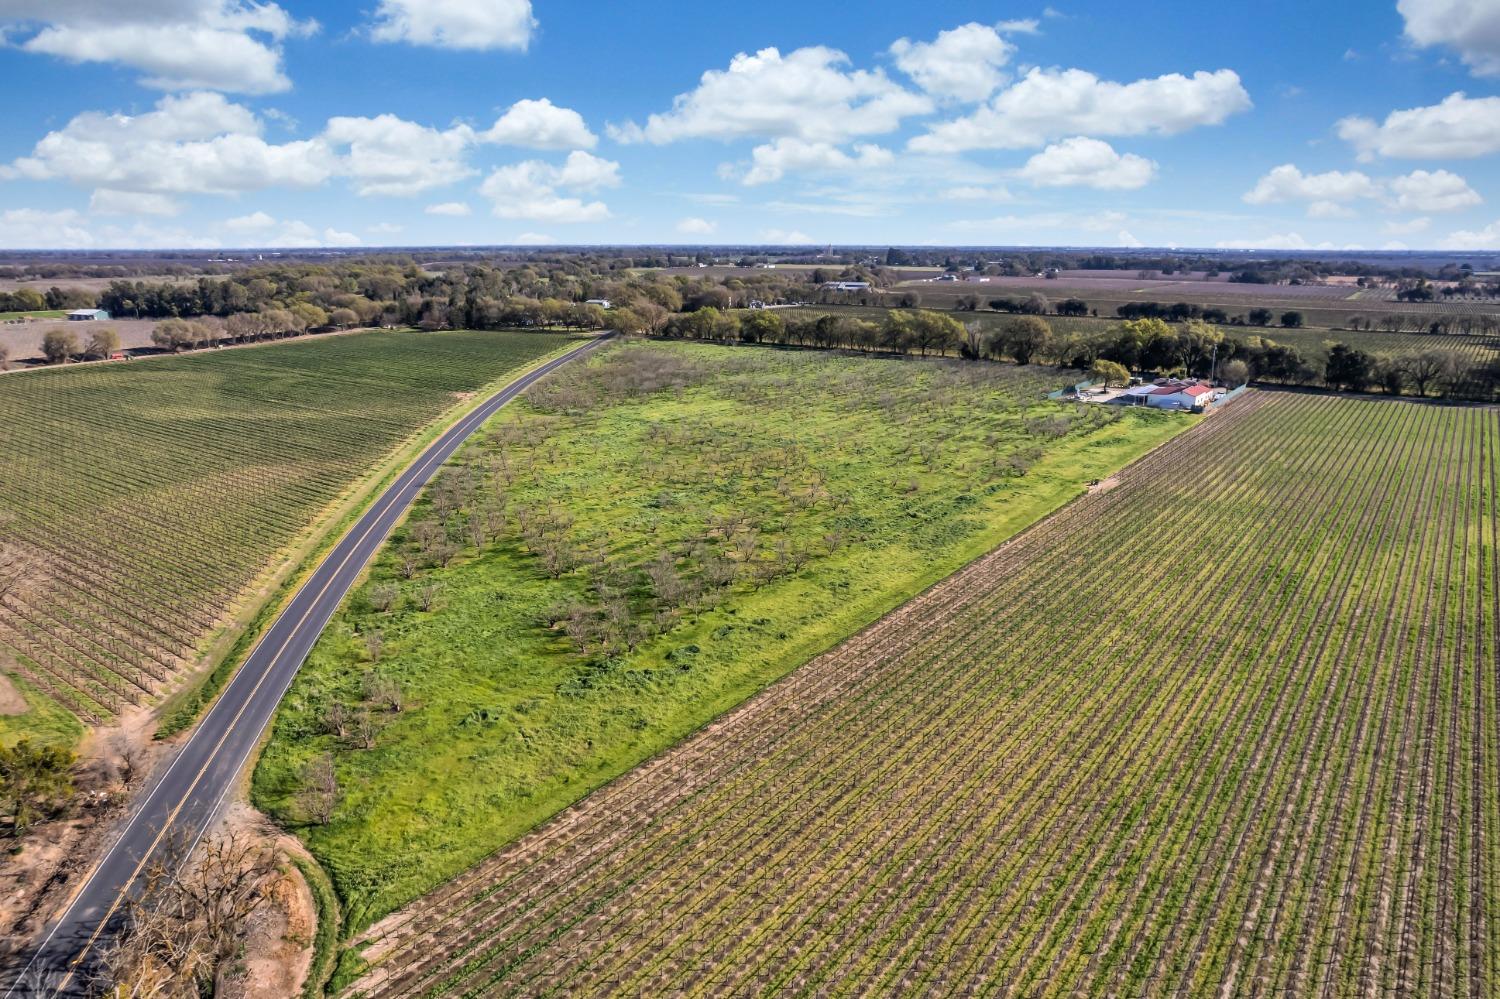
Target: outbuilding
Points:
(1179, 396)
(88, 316)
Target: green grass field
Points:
(799, 496)
(41, 314)
(142, 501)
(1228, 728)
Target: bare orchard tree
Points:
(185, 930)
(319, 796)
(130, 759)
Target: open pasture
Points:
(139, 501)
(650, 539)
(1227, 727)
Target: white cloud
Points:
(230, 45)
(29, 228)
(192, 143)
(530, 190)
(535, 239)
(772, 161)
(1471, 27)
(586, 172)
(456, 24)
(1409, 227)
(540, 124)
(1279, 241)
(977, 192)
(806, 94)
(784, 237)
(1435, 191)
(32, 228)
(965, 63)
(1049, 104)
(1457, 128)
(385, 228)
(387, 155)
(454, 209)
(254, 222)
(1329, 193)
(1395, 245)
(108, 202)
(696, 227)
(1047, 227)
(1287, 183)
(1330, 210)
(1083, 162)
(1487, 238)
(1126, 238)
(295, 234)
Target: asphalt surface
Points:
(183, 802)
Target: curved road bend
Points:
(181, 805)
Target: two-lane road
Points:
(182, 803)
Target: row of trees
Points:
(62, 345)
(1149, 346)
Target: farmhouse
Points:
(1180, 395)
(88, 315)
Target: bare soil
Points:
(279, 938)
(11, 701)
(39, 880)
(23, 341)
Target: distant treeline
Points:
(1147, 346)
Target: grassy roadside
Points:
(228, 649)
(520, 725)
(46, 721)
(326, 936)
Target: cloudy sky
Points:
(1283, 123)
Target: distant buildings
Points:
(88, 316)
(1170, 393)
(603, 303)
(847, 285)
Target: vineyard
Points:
(138, 502)
(1227, 725)
(650, 539)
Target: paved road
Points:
(181, 805)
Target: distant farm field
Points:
(1332, 305)
(648, 540)
(1226, 728)
(141, 500)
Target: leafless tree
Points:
(383, 596)
(364, 731)
(129, 757)
(185, 930)
(427, 595)
(336, 720)
(319, 796)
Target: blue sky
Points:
(180, 123)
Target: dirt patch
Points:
(1104, 485)
(24, 341)
(279, 936)
(38, 881)
(11, 701)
